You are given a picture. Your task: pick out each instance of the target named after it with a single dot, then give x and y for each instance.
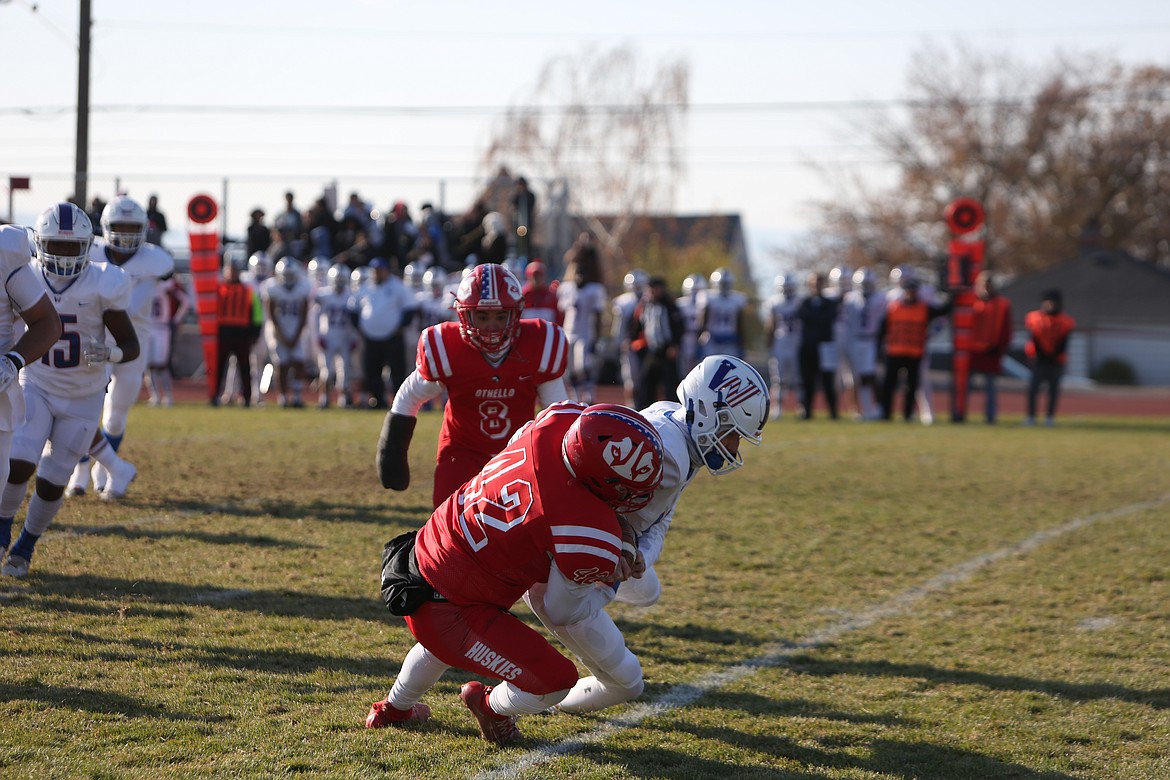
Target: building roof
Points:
(1099, 287)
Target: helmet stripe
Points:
(65, 215)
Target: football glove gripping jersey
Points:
(10, 366)
(393, 465)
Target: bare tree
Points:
(1074, 150)
(594, 122)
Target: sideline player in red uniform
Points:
(544, 510)
(494, 367)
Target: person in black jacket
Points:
(818, 352)
(656, 333)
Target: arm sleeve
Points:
(413, 393)
(651, 541)
(548, 393)
(24, 289)
(566, 602)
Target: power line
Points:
(516, 31)
(1105, 93)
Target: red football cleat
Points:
(383, 714)
(499, 729)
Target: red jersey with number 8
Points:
(492, 540)
(487, 404)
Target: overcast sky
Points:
(769, 58)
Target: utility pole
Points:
(81, 168)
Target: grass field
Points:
(859, 601)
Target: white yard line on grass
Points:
(779, 653)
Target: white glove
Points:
(8, 372)
(97, 351)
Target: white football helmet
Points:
(693, 285)
(319, 270)
(435, 280)
(900, 275)
(288, 271)
(865, 279)
(722, 279)
(721, 395)
(786, 285)
(360, 278)
(62, 237)
(412, 276)
(635, 281)
(338, 278)
(260, 264)
(124, 224)
(841, 278)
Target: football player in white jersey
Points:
(123, 243)
(634, 286)
(436, 304)
(336, 334)
(286, 302)
(862, 315)
(582, 297)
(724, 402)
(259, 271)
(25, 298)
(64, 390)
(317, 274)
(721, 316)
(171, 303)
(839, 285)
(782, 331)
(694, 290)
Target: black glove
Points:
(393, 466)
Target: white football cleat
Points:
(15, 566)
(79, 481)
(120, 479)
(101, 477)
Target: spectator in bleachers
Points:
(259, 237)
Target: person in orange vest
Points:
(904, 333)
(1048, 329)
(991, 334)
(239, 317)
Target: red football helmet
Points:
(489, 287)
(615, 454)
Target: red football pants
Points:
(489, 641)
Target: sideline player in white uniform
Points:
(582, 301)
(171, 303)
(317, 274)
(840, 284)
(338, 339)
(724, 402)
(862, 314)
(64, 390)
(258, 273)
(25, 298)
(694, 291)
(286, 301)
(634, 285)
(721, 316)
(123, 243)
(782, 329)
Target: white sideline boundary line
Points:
(778, 653)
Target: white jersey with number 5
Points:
(81, 302)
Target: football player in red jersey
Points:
(552, 495)
(494, 367)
